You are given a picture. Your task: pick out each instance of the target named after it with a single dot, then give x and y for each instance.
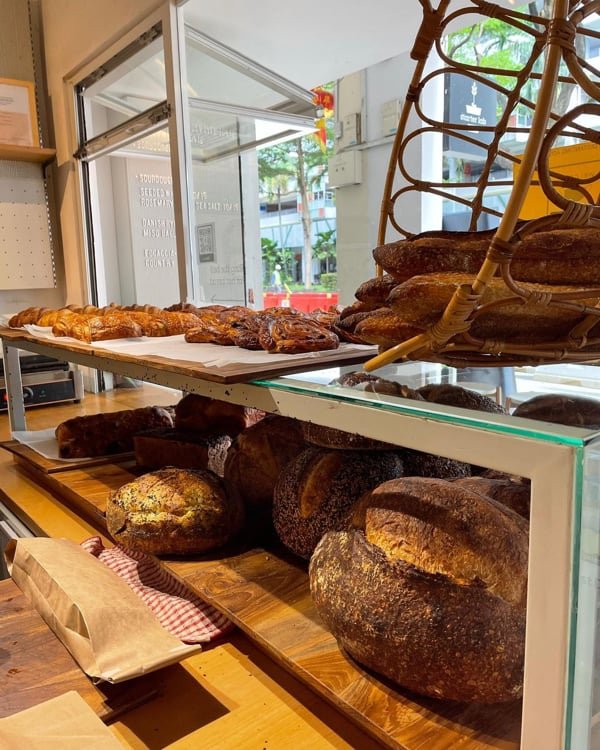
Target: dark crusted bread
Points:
(421, 300)
(107, 434)
(428, 589)
(174, 511)
(455, 395)
(557, 256)
(258, 455)
(316, 490)
(576, 411)
(329, 437)
(185, 450)
(420, 464)
(208, 415)
(385, 328)
(510, 491)
(376, 291)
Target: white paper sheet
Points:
(42, 442)
(208, 355)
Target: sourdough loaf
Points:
(107, 434)
(385, 328)
(208, 415)
(557, 256)
(259, 454)
(376, 291)
(576, 411)
(316, 490)
(455, 395)
(174, 511)
(428, 589)
(511, 491)
(421, 300)
(155, 449)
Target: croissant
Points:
(97, 327)
(25, 317)
(51, 317)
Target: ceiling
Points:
(310, 43)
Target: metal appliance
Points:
(10, 528)
(45, 381)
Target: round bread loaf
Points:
(258, 455)
(420, 464)
(511, 491)
(201, 414)
(428, 589)
(316, 490)
(576, 411)
(329, 437)
(174, 511)
(454, 395)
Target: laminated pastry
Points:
(315, 491)
(92, 328)
(576, 411)
(155, 449)
(174, 511)
(210, 330)
(428, 589)
(109, 433)
(208, 415)
(421, 300)
(295, 335)
(557, 256)
(259, 454)
(29, 316)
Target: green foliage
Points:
(272, 254)
(329, 281)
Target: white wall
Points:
(358, 206)
(75, 32)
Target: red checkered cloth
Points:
(183, 614)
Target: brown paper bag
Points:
(62, 723)
(109, 631)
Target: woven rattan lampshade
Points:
(555, 60)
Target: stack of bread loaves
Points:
(202, 434)
(423, 272)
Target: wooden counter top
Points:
(231, 696)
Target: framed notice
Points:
(205, 240)
(18, 117)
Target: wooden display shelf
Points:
(35, 154)
(233, 372)
(266, 593)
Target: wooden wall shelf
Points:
(35, 154)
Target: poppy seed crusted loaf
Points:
(315, 491)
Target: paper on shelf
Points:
(207, 355)
(41, 441)
(108, 630)
(62, 723)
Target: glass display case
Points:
(561, 698)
